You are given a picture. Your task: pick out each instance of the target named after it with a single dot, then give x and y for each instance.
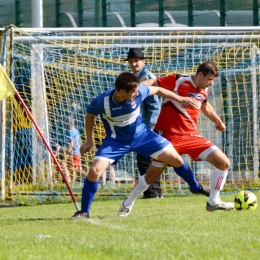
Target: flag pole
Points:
(49, 149)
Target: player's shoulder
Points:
(97, 104)
(106, 93)
(102, 96)
(182, 76)
(142, 87)
(184, 80)
(173, 76)
(144, 90)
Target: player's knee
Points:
(176, 161)
(219, 160)
(171, 157)
(93, 174)
(224, 164)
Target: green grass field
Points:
(176, 227)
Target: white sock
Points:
(139, 188)
(217, 181)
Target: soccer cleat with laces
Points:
(221, 206)
(124, 211)
(203, 190)
(80, 215)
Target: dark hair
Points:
(208, 67)
(126, 81)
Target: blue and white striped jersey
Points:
(122, 120)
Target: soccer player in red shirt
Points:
(179, 125)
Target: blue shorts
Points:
(149, 144)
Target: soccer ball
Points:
(245, 200)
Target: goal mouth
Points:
(59, 71)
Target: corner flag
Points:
(7, 88)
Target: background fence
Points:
(133, 13)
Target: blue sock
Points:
(187, 174)
(88, 192)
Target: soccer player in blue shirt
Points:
(119, 109)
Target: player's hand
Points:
(85, 147)
(190, 102)
(220, 126)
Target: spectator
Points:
(150, 108)
(74, 157)
(60, 154)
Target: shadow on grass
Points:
(8, 205)
(30, 219)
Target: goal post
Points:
(58, 71)
(255, 101)
(39, 112)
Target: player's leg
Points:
(91, 183)
(90, 188)
(182, 168)
(201, 149)
(149, 143)
(169, 156)
(217, 180)
(154, 190)
(140, 186)
(110, 151)
(166, 154)
(186, 144)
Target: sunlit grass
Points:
(176, 227)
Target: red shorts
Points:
(196, 146)
(77, 162)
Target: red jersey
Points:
(174, 118)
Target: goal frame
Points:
(37, 70)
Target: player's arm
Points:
(150, 82)
(89, 123)
(210, 113)
(185, 101)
